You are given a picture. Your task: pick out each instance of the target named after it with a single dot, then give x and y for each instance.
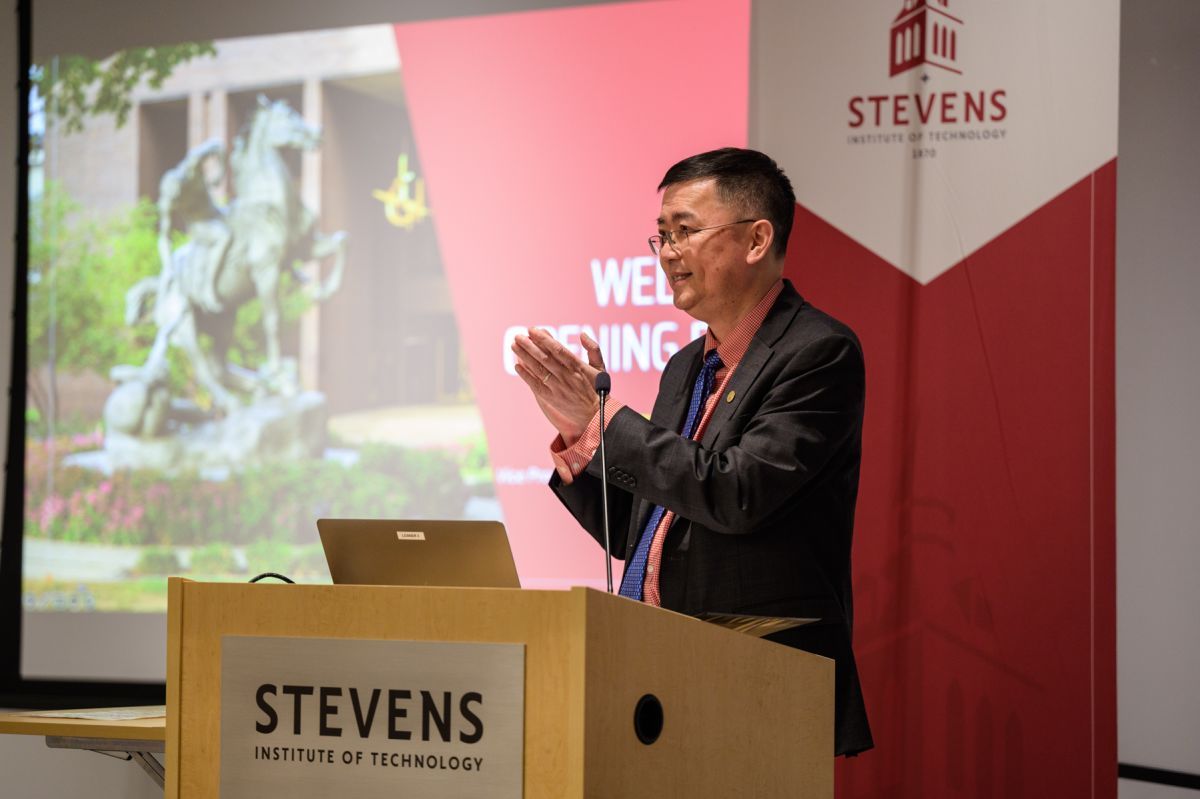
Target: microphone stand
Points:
(603, 386)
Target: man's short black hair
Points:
(747, 180)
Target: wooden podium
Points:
(740, 716)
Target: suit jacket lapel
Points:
(670, 410)
(675, 392)
(746, 373)
(776, 323)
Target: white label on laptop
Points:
(310, 718)
(410, 535)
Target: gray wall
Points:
(1158, 390)
(1158, 382)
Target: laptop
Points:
(418, 552)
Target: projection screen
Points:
(275, 269)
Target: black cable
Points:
(1160, 776)
(277, 576)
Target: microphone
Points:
(603, 386)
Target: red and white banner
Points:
(955, 170)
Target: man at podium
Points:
(737, 494)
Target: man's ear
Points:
(762, 235)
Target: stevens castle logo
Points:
(927, 37)
(925, 33)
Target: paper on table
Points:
(105, 713)
(758, 626)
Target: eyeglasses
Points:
(679, 238)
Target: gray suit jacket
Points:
(764, 502)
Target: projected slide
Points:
(240, 323)
(275, 278)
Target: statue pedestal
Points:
(273, 429)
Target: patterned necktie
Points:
(635, 572)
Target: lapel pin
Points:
(729, 397)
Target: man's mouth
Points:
(679, 277)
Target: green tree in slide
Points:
(75, 87)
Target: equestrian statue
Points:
(232, 254)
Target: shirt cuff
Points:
(570, 461)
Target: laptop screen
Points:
(418, 552)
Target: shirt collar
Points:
(734, 346)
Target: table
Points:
(138, 740)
